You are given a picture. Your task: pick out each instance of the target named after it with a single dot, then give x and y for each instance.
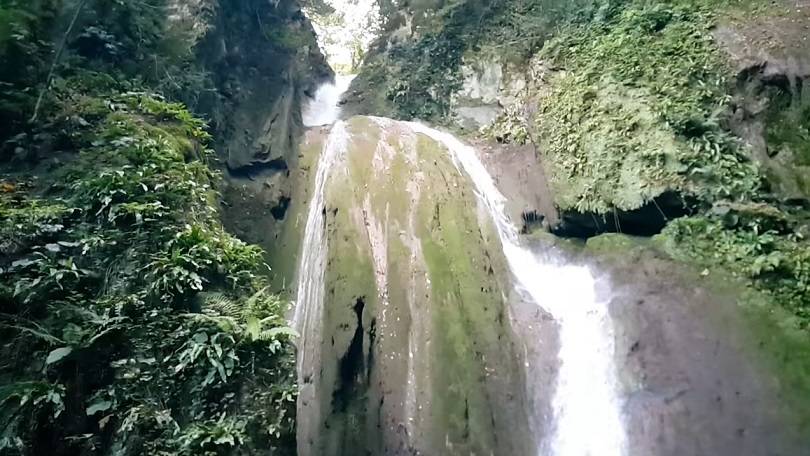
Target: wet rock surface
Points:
(521, 178)
(429, 364)
(697, 379)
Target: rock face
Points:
(269, 207)
(522, 180)
(263, 57)
(417, 352)
(488, 86)
(263, 60)
(705, 371)
(771, 56)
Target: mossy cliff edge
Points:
(686, 116)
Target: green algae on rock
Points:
(414, 291)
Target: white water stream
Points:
(308, 314)
(324, 109)
(587, 411)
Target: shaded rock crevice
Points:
(352, 365)
(647, 220)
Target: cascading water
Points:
(311, 270)
(324, 109)
(587, 411)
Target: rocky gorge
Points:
(523, 227)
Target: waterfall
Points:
(324, 109)
(587, 411)
(308, 312)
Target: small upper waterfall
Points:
(324, 109)
(587, 411)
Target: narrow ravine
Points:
(405, 228)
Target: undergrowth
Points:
(759, 246)
(113, 336)
(131, 322)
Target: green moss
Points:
(785, 350)
(463, 300)
(350, 279)
(614, 243)
(788, 127)
(350, 274)
(776, 262)
(635, 111)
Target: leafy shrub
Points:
(776, 262)
(106, 273)
(213, 437)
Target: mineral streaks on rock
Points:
(414, 349)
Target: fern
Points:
(225, 323)
(220, 304)
(255, 330)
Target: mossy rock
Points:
(407, 238)
(614, 244)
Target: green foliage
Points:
(24, 49)
(29, 221)
(110, 253)
(196, 253)
(788, 126)
(108, 270)
(213, 437)
(618, 133)
(519, 28)
(425, 74)
(510, 126)
(287, 39)
(420, 75)
(635, 106)
(754, 246)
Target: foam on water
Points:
(324, 109)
